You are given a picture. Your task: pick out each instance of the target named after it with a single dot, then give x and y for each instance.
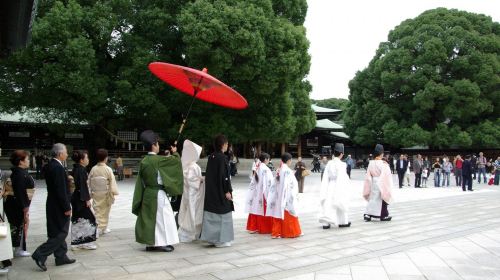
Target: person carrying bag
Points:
(6, 252)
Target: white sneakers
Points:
(86, 246)
(222, 245)
(18, 252)
(4, 271)
(105, 231)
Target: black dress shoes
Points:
(326, 227)
(386, 219)
(39, 263)
(367, 218)
(346, 225)
(168, 248)
(64, 261)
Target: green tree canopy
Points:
(88, 62)
(436, 82)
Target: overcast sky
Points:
(344, 35)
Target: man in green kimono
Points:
(158, 176)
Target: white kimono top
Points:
(258, 190)
(283, 194)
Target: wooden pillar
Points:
(299, 147)
(283, 148)
(259, 148)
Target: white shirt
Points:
(60, 162)
(158, 176)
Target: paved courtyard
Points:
(436, 233)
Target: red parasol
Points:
(198, 84)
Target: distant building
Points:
(319, 141)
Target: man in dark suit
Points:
(417, 168)
(58, 210)
(401, 166)
(467, 172)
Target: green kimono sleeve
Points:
(138, 195)
(170, 169)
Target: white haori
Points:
(334, 194)
(258, 190)
(283, 194)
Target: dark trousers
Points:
(418, 179)
(467, 181)
(458, 177)
(54, 245)
(401, 175)
(38, 171)
(349, 170)
(301, 185)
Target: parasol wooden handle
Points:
(182, 126)
(180, 131)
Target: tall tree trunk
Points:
(299, 147)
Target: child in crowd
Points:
(425, 175)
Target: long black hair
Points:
(284, 159)
(263, 156)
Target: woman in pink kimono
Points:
(377, 188)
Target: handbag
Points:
(6, 252)
(4, 227)
(71, 184)
(306, 172)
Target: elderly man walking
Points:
(58, 209)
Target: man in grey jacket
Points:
(417, 168)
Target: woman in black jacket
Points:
(17, 202)
(84, 227)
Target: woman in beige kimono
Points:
(103, 187)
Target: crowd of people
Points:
(271, 201)
(79, 202)
(465, 170)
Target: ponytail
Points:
(256, 176)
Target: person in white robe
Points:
(256, 200)
(193, 196)
(283, 202)
(334, 193)
(377, 187)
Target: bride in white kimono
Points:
(334, 194)
(377, 188)
(193, 196)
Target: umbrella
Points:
(199, 85)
